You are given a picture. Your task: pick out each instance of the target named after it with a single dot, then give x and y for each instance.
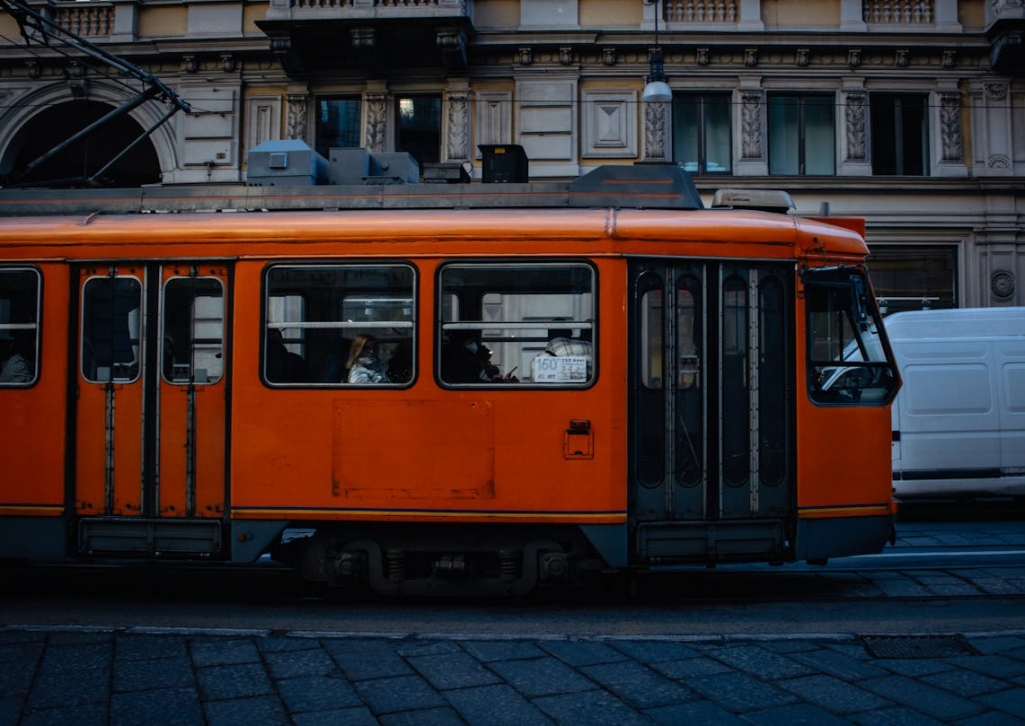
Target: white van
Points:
(959, 419)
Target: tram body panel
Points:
(422, 453)
(32, 447)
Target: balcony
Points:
(372, 35)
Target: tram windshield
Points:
(850, 362)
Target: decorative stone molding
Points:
(750, 57)
(1002, 284)
(608, 56)
(376, 104)
(995, 91)
(656, 146)
(189, 64)
(950, 127)
(34, 71)
(855, 123)
(526, 56)
(566, 55)
(704, 56)
(751, 125)
(998, 161)
(949, 58)
(903, 57)
(297, 113)
(803, 57)
(227, 62)
(609, 124)
(493, 119)
(853, 58)
(457, 139)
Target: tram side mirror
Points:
(858, 301)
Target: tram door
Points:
(151, 393)
(712, 407)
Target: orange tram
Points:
(478, 388)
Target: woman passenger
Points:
(364, 365)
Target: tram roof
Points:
(640, 186)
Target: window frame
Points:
(402, 142)
(307, 326)
(702, 102)
(802, 141)
(9, 329)
(322, 146)
(895, 141)
(583, 329)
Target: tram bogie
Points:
(440, 395)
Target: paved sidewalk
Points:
(86, 676)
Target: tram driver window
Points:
(339, 325)
(849, 362)
(19, 326)
(517, 323)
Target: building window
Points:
(419, 127)
(528, 323)
(19, 326)
(900, 138)
(913, 277)
(701, 133)
(330, 325)
(338, 124)
(801, 135)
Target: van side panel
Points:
(1010, 358)
(959, 420)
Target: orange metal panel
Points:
(32, 451)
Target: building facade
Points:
(910, 113)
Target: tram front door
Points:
(150, 415)
(712, 475)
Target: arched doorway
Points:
(84, 158)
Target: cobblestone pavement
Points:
(86, 676)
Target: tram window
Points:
(19, 326)
(849, 364)
(111, 329)
(192, 340)
(318, 317)
(517, 323)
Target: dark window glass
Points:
(517, 323)
(338, 124)
(329, 325)
(701, 133)
(419, 127)
(801, 135)
(900, 139)
(19, 326)
(192, 343)
(111, 329)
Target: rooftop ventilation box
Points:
(285, 163)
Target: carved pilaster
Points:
(458, 128)
(297, 110)
(656, 146)
(855, 116)
(950, 127)
(376, 104)
(751, 125)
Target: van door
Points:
(150, 441)
(712, 474)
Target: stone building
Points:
(910, 113)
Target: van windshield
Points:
(849, 362)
